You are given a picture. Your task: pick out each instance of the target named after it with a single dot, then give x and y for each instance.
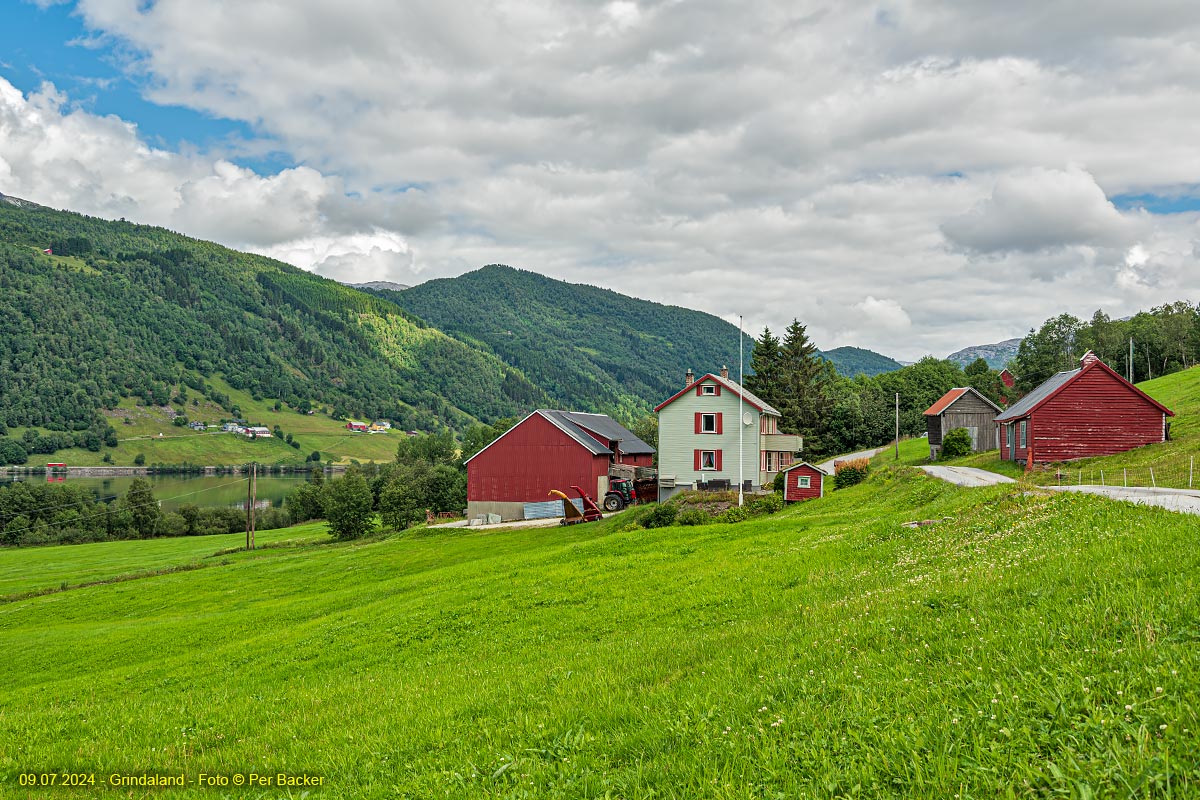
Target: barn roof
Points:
(951, 396)
(732, 386)
(1055, 383)
(572, 423)
(606, 427)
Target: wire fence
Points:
(1178, 473)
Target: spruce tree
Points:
(805, 387)
(764, 362)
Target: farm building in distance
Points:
(804, 481)
(549, 450)
(962, 408)
(1090, 411)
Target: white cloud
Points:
(955, 159)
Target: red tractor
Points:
(620, 494)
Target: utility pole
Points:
(1130, 361)
(741, 425)
(251, 496)
(897, 426)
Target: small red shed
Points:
(1090, 411)
(803, 482)
(548, 450)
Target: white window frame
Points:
(1024, 435)
(770, 460)
(704, 418)
(708, 389)
(803, 481)
(709, 456)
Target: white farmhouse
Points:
(700, 436)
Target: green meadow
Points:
(1024, 644)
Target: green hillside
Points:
(129, 312)
(1026, 645)
(590, 348)
(851, 361)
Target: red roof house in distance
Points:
(549, 450)
(803, 482)
(1090, 411)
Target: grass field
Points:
(151, 433)
(1026, 645)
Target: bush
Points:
(660, 515)
(956, 443)
(693, 516)
(851, 472)
(139, 460)
(735, 514)
(765, 504)
(779, 483)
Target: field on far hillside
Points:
(1023, 645)
(149, 431)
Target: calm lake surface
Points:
(176, 490)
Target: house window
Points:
(770, 461)
(708, 389)
(708, 423)
(803, 482)
(708, 459)
(1023, 434)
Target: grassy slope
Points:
(1032, 646)
(318, 432)
(1179, 392)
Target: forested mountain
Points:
(592, 349)
(118, 310)
(851, 361)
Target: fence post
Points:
(1125, 473)
(1152, 483)
(1101, 477)
(1191, 464)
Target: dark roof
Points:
(572, 423)
(806, 464)
(1027, 403)
(609, 429)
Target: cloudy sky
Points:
(911, 176)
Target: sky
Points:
(909, 176)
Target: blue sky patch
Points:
(1158, 204)
(36, 46)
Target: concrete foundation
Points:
(508, 512)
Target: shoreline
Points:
(125, 472)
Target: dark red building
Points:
(549, 450)
(1090, 411)
(803, 482)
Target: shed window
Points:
(1023, 434)
(708, 459)
(708, 388)
(708, 423)
(803, 482)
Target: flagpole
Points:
(740, 424)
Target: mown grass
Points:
(1031, 645)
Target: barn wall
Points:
(1097, 414)
(969, 411)
(530, 460)
(792, 491)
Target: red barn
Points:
(803, 482)
(1090, 411)
(548, 450)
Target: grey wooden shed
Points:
(966, 408)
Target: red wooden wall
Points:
(529, 461)
(792, 490)
(1097, 414)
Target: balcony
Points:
(780, 442)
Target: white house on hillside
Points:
(699, 431)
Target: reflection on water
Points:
(174, 491)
